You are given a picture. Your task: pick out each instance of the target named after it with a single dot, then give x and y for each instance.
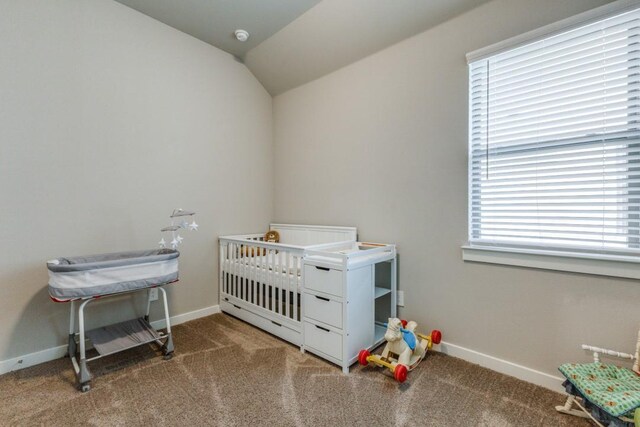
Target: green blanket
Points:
(613, 389)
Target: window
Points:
(554, 142)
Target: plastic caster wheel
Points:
(168, 356)
(436, 336)
(85, 387)
(400, 373)
(362, 357)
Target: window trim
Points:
(575, 262)
(568, 261)
(613, 8)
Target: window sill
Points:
(601, 265)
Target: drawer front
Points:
(322, 339)
(323, 279)
(323, 309)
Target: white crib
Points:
(260, 281)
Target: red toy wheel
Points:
(400, 373)
(404, 323)
(436, 336)
(362, 357)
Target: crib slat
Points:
(226, 270)
(223, 274)
(261, 281)
(245, 283)
(269, 277)
(294, 278)
(279, 276)
(274, 283)
(255, 277)
(251, 273)
(287, 283)
(235, 271)
(231, 245)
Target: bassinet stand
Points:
(114, 338)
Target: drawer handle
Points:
(324, 329)
(276, 323)
(322, 268)
(237, 306)
(323, 298)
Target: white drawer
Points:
(323, 339)
(323, 279)
(323, 309)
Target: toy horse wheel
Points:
(362, 357)
(436, 336)
(400, 373)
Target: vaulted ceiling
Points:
(295, 41)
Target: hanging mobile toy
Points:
(176, 239)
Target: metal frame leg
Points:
(146, 315)
(71, 350)
(167, 348)
(84, 376)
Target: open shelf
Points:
(121, 336)
(382, 292)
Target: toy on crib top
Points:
(405, 348)
(272, 236)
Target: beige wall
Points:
(109, 120)
(382, 145)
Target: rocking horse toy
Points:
(405, 348)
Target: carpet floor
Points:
(228, 373)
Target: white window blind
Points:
(555, 141)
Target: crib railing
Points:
(263, 275)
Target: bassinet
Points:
(83, 277)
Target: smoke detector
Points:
(241, 35)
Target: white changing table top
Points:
(352, 255)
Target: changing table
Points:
(349, 292)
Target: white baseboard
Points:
(185, 317)
(53, 353)
(503, 366)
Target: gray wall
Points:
(382, 144)
(109, 120)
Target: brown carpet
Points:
(228, 373)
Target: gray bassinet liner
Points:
(112, 288)
(105, 274)
(116, 259)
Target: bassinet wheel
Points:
(85, 387)
(400, 373)
(362, 357)
(168, 356)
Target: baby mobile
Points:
(176, 238)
